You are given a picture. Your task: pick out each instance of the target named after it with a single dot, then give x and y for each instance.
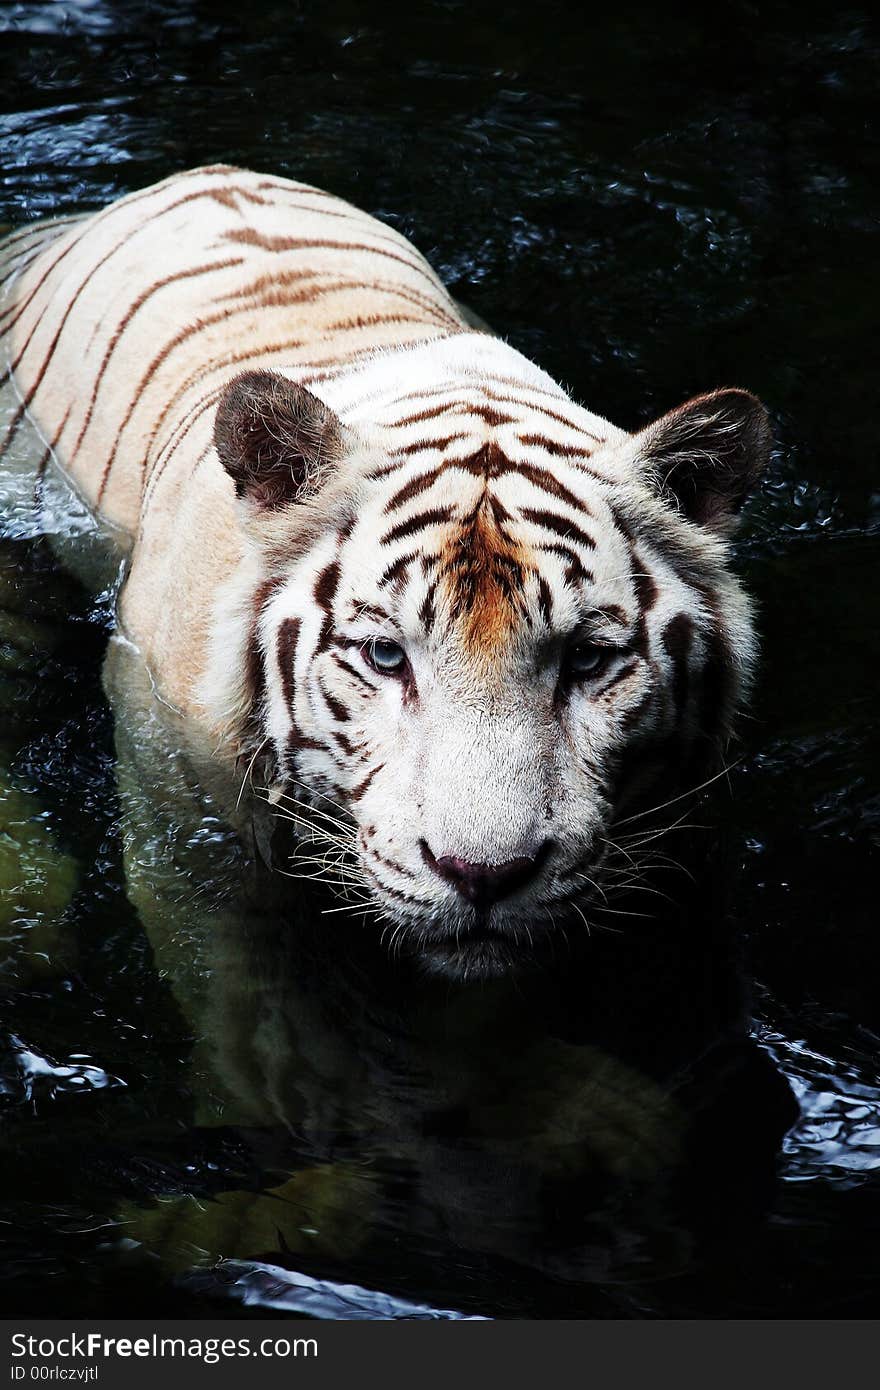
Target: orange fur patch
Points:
(484, 574)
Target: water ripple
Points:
(28, 1076)
(267, 1286)
(837, 1139)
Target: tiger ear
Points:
(706, 455)
(275, 439)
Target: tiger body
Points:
(315, 462)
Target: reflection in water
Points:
(185, 1077)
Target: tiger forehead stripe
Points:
(542, 409)
(483, 567)
(361, 609)
(485, 389)
(421, 483)
(397, 569)
(557, 447)
(419, 417)
(574, 571)
(495, 464)
(433, 516)
(419, 446)
(490, 463)
(560, 525)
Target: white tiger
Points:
(383, 550)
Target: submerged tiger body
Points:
(383, 551)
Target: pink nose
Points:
(484, 884)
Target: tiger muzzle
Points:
(485, 884)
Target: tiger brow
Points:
(612, 613)
(362, 608)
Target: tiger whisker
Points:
(249, 769)
(316, 831)
(345, 907)
(692, 791)
(583, 918)
(339, 826)
(314, 791)
(619, 911)
(634, 886)
(681, 823)
(654, 860)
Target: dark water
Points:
(650, 208)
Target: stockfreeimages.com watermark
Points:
(31, 1355)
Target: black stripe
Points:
(354, 672)
(560, 525)
(545, 601)
(397, 568)
(547, 482)
(553, 446)
(676, 638)
(339, 711)
(620, 675)
(413, 488)
(285, 648)
(574, 572)
(432, 517)
(326, 585)
(358, 791)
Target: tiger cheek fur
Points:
(471, 623)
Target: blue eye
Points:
(585, 659)
(388, 658)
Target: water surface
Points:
(200, 1109)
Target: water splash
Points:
(27, 1076)
(257, 1285)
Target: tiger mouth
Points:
(478, 952)
(483, 927)
(480, 940)
(481, 932)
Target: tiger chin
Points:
(467, 630)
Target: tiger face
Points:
(481, 627)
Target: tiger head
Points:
(476, 626)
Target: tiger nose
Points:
(484, 884)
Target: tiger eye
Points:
(388, 658)
(585, 659)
